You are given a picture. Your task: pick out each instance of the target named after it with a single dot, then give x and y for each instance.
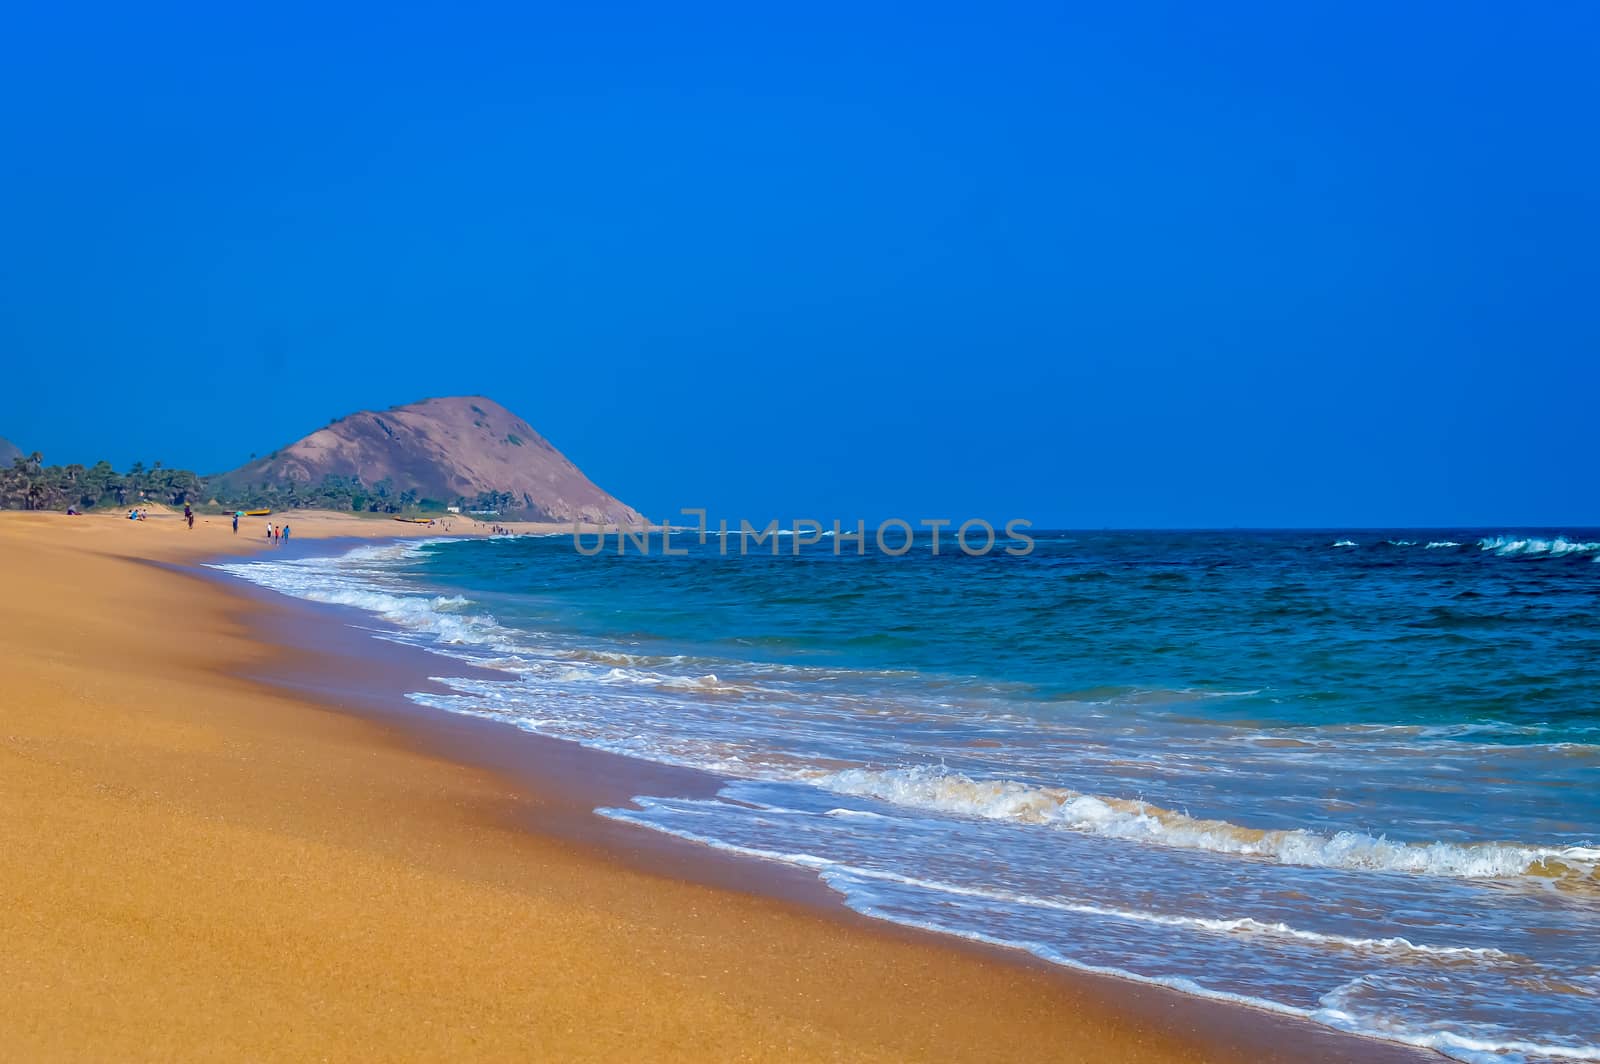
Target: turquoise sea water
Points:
(1351, 775)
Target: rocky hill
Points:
(443, 450)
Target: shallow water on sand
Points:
(1347, 775)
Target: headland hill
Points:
(458, 453)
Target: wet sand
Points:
(218, 843)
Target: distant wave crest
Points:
(1508, 545)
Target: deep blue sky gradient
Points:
(1131, 265)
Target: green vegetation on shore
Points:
(29, 484)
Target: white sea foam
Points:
(938, 790)
(1334, 1010)
(355, 579)
(1243, 925)
(1345, 543)
(1342, 1007)
(1439, 544)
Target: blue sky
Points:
(1128, 265)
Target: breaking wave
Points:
(938, 790)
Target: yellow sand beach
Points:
(198, 866)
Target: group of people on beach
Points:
(277, 535)
(140, 515)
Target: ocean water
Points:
(1351, 776)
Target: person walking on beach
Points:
(285, 533)
(236, 522)
(269, 532)
(188, 516)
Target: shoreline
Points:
(329, 654)
(664, 947)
